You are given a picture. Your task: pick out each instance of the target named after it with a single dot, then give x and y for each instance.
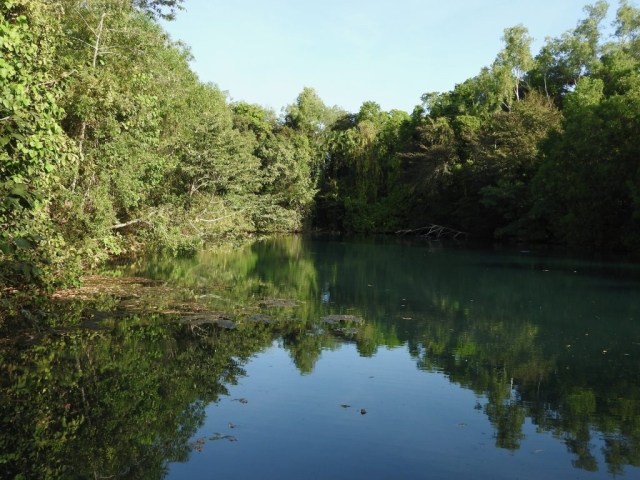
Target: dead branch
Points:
(219, 218)
(126, 224)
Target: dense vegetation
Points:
(109, 144)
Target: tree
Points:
(563, 61)
(588, 183)
(513, 62)
(165, 9)
(360, 189)
(34, 151)
(287, 163)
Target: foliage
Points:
(360, 188)
(531, 149)
(34, 150)
(106, 405)
(110, 145)
(288, 168)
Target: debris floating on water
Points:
(278, 302)
(341, 318)
(219, 436)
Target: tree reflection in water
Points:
(123, 400)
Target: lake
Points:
(299, 357)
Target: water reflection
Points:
(538, 339)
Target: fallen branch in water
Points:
(436, 231)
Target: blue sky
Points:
(351, 51)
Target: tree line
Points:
(110, 144)
(537, 148)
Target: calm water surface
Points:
(466, 363)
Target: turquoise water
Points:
(458, 363)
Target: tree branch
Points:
(85, 22)
(219, 218)
(126, 224)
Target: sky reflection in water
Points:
(546, 349)
(417, 425)
(468, 362)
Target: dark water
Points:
(468, 363)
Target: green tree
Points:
(563, 61)
(513, 62)
(361, 189)
(287, 169)
(34, 151)
(588, 184)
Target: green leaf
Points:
(7, 248)
(23, 243)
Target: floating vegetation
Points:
(210, 295)
(269, 320)
(219, 436)
(135, 295)
(211, 318)
(197, 445)
(110, 298)
(123, 287)
(350, 332)
(260, 318)
(331, 319)
(278, 302)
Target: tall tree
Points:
(589, 182)
(513, 62)
(34, 151)
(563, 61)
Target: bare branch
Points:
(85, 22)
(80, 40)
(126, 224)
(137, 220)
(219, 218)
(97, 46)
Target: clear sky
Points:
(351, 51)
